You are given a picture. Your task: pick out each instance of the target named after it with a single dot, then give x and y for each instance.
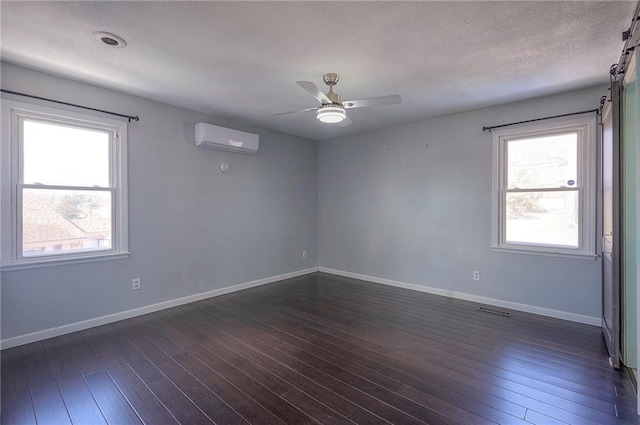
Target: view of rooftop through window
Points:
(66, 198)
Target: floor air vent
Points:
(496, 312)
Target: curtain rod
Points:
(540, 119)
(129, 117)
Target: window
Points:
(544, 188)
(67, 195)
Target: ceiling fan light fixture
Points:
(331, 114)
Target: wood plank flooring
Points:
(319, 349)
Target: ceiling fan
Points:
(333, 108)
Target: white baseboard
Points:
(557, 314)
(110, 318)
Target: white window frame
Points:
(11, 185)
(587, 169)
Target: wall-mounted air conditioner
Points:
(226, 139)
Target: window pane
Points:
(543, 162)
(64, 221)
(61, 155)
(549, 218)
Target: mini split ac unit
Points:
(226, 139)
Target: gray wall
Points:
(412, 203)
(191, 228)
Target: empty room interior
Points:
(318, 212)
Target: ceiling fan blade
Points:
(314, 91)
(295, 112)
(345, 122)
(393, 99)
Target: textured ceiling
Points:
(242, 59)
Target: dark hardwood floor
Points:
(319, 349)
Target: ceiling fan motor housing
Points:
(331, 79)
(334, 97)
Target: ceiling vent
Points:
(110, 39)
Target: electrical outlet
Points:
(135, 284)
(476, 275)
(304, 254)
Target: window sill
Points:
(576, 256)
(52, 262)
